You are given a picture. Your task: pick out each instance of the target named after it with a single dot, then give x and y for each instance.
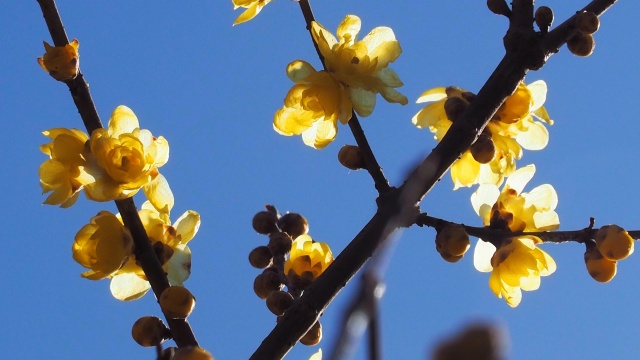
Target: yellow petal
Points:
(159, 194)
(323, 38)
(128, 286)
(520, 178)
(298, 70)
(382, 45)
(536, 137)
(348, 29)
(179, 266)
(482, 254)
(187, 226)
(434, 94)
(123, 120)
(320, 134)
(363, 101)
(538, 91)
(248, 14)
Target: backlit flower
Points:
(253, 7)
(61, 62)
(361, 66)
(513, 127)
(308, 259)
(313, 106)
(517, 264)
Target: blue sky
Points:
(211, 89)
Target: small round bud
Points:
(613, 242)
(177, 302)
(452, 242)
(587, 22)
(478, 341)
(600, 268)
(278, 302)
(260, 257)
(267, 282)
(544, 18)
(483, 149)
(350, 156)
(280, 243)
(581, 44)
(293, 224)
(454, 107)
(499, 7)
(264, 222)
(313, 336)
(192, 353)
(149, 331)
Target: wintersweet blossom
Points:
(105, 247)
(313, 106)
(517, 264)
(61, 62)
(308, 259)
(253, 7)
(361, 66)
(518, 124)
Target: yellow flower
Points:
(105, 247)
(61, 62)
(512, 128)
(362, 66)
(253, 8)
(518, 264)
(308, 259)
(313, 106)
(130, 158)
(66, 172)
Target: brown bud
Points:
(267, 282)
(454, 107)
(499, 7)
(452, 242)
(293, 224)
(149, 331)
(280, 243)
(177, 302)
(192, 353)
(350, 156)
(278, 302)
(581, 44)
(587, 22)
(483, 149)
(544, 18)
(264, 222)
(313, 336)
(600, 268)
(260, 257)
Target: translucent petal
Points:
(179, 266)
(324, 38)
(363, 101)
(389, 77)
(320, 134)
(298, 70)
(187, 225)
(484, 197)
(541, 113)
(348, 29)
(382, 45)
(248, 14)
(128, 286)
(159, 194)
(543, 197)
(482, 254)
(434, 94)
(464, 172)
(393, 96)
(539, 93)
(123, 120)
(535, 138)
(519, 178)
(431, 115)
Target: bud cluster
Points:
(582, 42)
(610, 244)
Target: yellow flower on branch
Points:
(517, 264)
(105, 247)
(61, 62)
(313, 106)
(361, 66)
(308, 260)
(513, 127)
(253, 7)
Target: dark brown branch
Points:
(373, 167)
(398, 207)
(180, 329)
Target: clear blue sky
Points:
(212, 89)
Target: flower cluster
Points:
(355, 71)
(514, 127)
(104, 246)
(114, 163)
(517, 263)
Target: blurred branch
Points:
(374, 169)
(398, 208)
(79, 88)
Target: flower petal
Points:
(128, 286)
(482, 254)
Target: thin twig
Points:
(180, 328)
(398, 208)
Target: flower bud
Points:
(278, 302)
(260, 257)
(177, 302)
(280, 243)
(587, 22)
(313, 336)
(483, 149)
(192, 353)
(544, 18)
(600, 268)
(499, 7)
(613, 242)
(581, 44)
(293, 224)
(149, 331)
(350, 156)
(454, 107)
(452, 242)
(264, 222)
(267, 282)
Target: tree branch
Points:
(180, 328)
